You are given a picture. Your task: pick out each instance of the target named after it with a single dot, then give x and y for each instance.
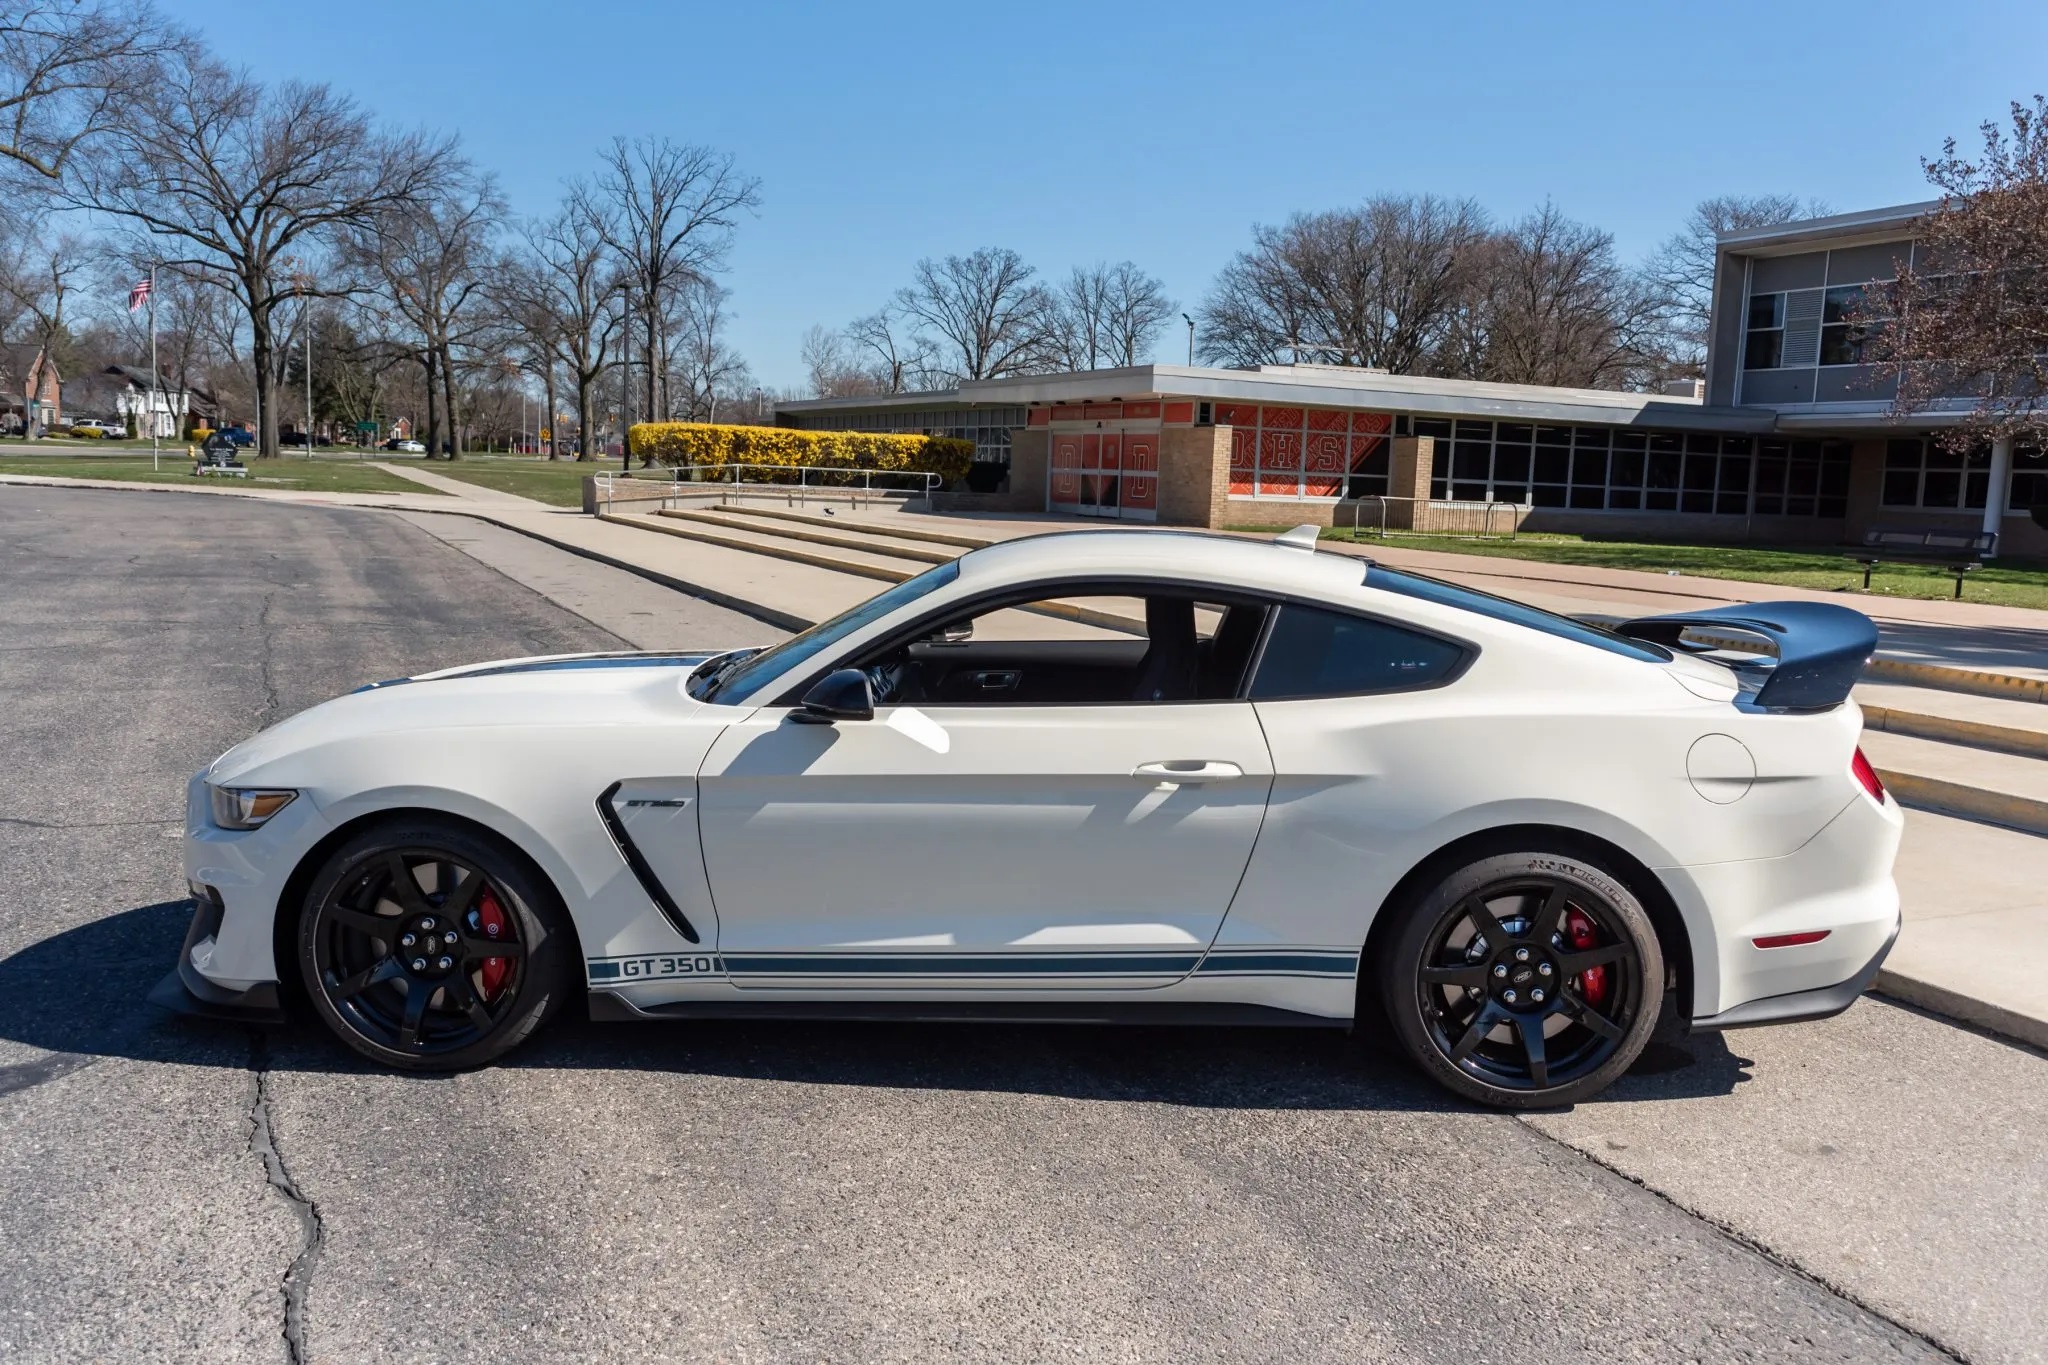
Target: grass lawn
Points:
(344, 475)
(1817, 567)
(559, 482)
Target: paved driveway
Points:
(756, 1192)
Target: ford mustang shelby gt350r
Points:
(1084, 776)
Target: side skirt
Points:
(607, 1006)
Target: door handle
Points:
(1188, 770)
(997, 679)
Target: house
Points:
(177, 407)
(31, 390)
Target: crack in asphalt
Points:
(266, 639)
(80, 824)
(263, 1142)
(1751, 1244)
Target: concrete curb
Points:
(1976, 734)
(842, 542)
(1993, 1019)
(2022, 813)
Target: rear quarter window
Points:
(1316, 653)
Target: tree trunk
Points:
(584, 416)
(547, 419)
(652, 412)
(266, 386)
(448, 393)
(433, 402)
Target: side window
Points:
(1316, 653)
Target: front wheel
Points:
(428, 946)
(1524, 980)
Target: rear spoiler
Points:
(1821, 647)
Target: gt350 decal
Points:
(618, 971)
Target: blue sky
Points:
(1083, 132)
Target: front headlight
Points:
(247, 807)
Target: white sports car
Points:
(1098, 775)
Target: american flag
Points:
(139, 295)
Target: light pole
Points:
(1191, 338)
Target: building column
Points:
(2001, 485)
(1411, 462)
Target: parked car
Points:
(241, 436)
(406, 447)
(1100, 775)
(105, 426)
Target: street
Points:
(1870, 1188)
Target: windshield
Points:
(749, 672)
(1503, 609)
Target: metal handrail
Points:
(802, 491)
(1488, 512)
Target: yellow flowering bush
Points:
(88, 433)
(710, 446)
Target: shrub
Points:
(199, 434)
(709, 446)
(89, 433)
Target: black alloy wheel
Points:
(1525, 980)
(428, 947)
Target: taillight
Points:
(1867, 775)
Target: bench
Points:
(1961, 551)
(219, 462)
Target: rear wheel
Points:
(427, 946)
(1524, 980)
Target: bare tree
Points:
(1548, 303)
(1682, 269)
(431, 258)
(837, 366)
(568, 277)
(1967, 317)
(898, 358)
(243, 184)
(1375, 285)
(38, 275)
(704, 365)
(69, 70)
(986, 316)
(668, 209)
(1135, 309)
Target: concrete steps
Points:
(840, 536)
(870, 524)
(1959, 779)
(1981, 722)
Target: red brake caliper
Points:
(492, 922)
(1578, 932)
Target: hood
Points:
(553, 691)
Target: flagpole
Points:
(153, 383)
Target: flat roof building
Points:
(1792, 440)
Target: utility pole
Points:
(1191, 338)
(308, 321)
(153, 385)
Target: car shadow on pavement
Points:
(79, 995)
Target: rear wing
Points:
(1821, 647)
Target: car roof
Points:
(1190, 555)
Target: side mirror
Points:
(842, 694)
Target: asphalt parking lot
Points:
(1867, 1189)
